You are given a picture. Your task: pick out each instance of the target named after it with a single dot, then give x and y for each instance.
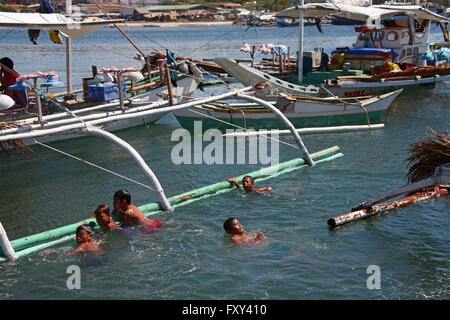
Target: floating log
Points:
(386, 207)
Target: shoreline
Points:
(142, 24)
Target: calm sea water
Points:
(191, 257)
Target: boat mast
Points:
(69, 54)
(300, 43)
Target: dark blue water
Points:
(191, 257)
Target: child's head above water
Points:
(102, 215)
(83, 234)
(121, 199)
(122, 195)
(248, 183)
(233, 226)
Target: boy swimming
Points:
(103, 218)
(84, 239)
(129, 214)
(234, 227)
(248, 185)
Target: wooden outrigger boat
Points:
(303, 112)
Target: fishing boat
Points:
(302, 111)
(102, 99)
(394, 39)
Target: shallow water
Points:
(191, 257)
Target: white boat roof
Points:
(52, 21)
(364, 14)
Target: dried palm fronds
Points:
(428, 154)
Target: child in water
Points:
(234, 227)
(103, 218)
(248, 185)
(84, 239)
(130, 215)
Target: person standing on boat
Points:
(130, 215)
(248, 185)
(8, 78)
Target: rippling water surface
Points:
(191, 257)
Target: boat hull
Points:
(107, 116)
(301, 113)
(348, 89)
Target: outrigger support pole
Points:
(164, 203)
(6, 245)
(285, 120)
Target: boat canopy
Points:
(365, 14)
(52, 21)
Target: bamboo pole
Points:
(307, 130)
(386, 207)
(169, 85)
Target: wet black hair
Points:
(249, 177)
(85, 228)
(227, 224)
(123, 195)
(7, 62)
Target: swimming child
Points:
(103, 218)
(234, 227)
(84, 239)
(130, 215)
(248, 185)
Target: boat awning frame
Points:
(52, 21)
(364, 14)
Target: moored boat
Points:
(301, 111)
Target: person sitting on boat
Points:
(8, 78)
(130, 215)
(103, 218)
(84, 239)
(234, 227)
(248, 185)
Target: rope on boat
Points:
(346, 103)
(239, 127)
(93, 164)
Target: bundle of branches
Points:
(428, 154)
(155, 56)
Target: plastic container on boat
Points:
(105, 92)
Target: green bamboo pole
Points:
(32, 243)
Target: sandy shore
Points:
(141, 24)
